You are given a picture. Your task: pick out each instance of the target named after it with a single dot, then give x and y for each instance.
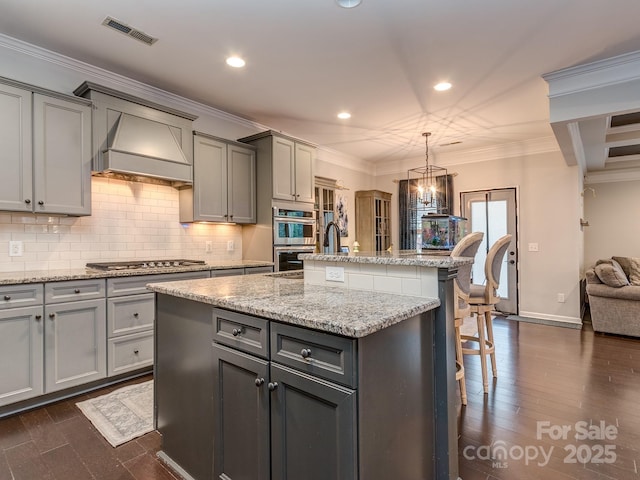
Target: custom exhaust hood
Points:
(139, 140)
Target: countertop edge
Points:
(307, 319)
(391, 258)
(20, 278)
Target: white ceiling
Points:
(309, 59)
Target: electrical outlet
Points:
(561, 298)
(230, 246)
(208, 246)
(334, 274)
(16, 248)
(533, 247)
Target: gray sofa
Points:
(614, 302)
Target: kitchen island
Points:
(306, 381)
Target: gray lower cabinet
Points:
(241, 415)
(46, 147)
(21, 350)
(75, 333)
(271, 400)
(307, 412)
(131, 318)
(270, 418)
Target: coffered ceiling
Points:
(307, 60)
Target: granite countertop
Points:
(401, 257)
(352, 313)
(39, 276)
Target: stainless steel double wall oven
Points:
(294, 232)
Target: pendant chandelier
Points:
(423, 183)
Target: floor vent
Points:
(127, 30)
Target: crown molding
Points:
(498, 151)
(612, 176)
(344, 160)
(121, 82)
(601, 73)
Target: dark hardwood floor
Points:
(57, 442)
(546, 374)
(550, 379)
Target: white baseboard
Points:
(545, 319)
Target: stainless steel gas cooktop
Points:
(143, 264)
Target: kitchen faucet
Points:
(326, 236)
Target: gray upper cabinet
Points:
(46, 144)
(15, 142)
(285, 167)
(303, 173)
(224, 182)
(61, 156)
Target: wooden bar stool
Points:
(483, 299)
(466, 247)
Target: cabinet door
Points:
(210, 180)
(242, 184)
(75, 343)
(304, 173)
(241, 416)
(61, 156)
(21, 348)
(313, 428)
(15, 145)
(283, 169)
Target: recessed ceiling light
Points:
(344, 115)
(348, 3)
(235, 62)
(442, 86)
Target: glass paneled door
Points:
(494, 212)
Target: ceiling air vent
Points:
(129, 31)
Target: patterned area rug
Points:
(123, 414)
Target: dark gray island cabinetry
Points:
(264, 377)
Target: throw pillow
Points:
(631, 267)
(610, 273)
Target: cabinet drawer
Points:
(137, 284)
(227, 272)
(129, 352)
(317, 353)
(253, 270)
(56, 292)
(244, 332)
(130, 314)
(12, 296)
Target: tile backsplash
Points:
(129, 220)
